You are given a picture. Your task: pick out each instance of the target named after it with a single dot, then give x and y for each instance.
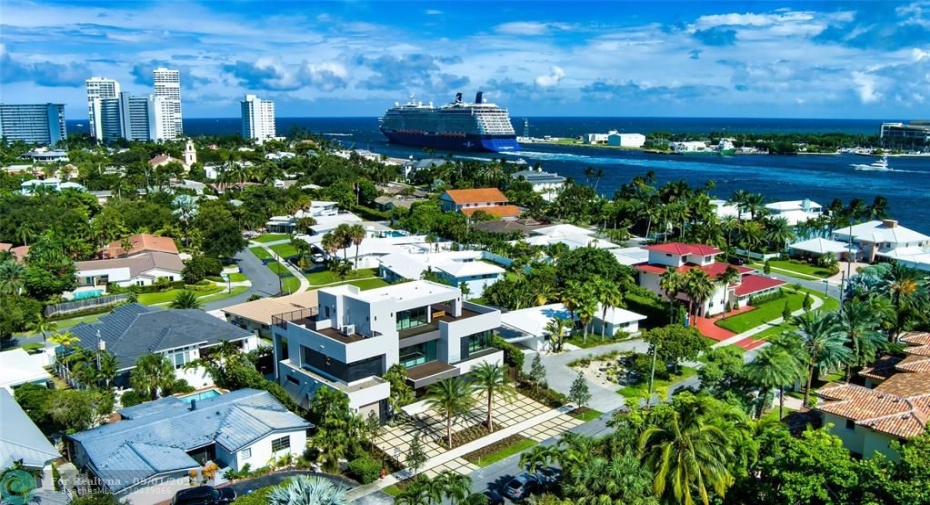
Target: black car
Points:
(493, 497)
(204, 495)
(521, 486)
(736, 260)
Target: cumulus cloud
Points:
(271, 74)
(866, 85)
(716, 36)
(325, 76)
(554, 77)
(42, 73)
(411, 71)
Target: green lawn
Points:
(328, 277)
(284, 250)
(224, 294)
(641, 391)
(506, 452)
(278, 268)
(290, 284)
(168, 296)
(775, 330)
(796, 266)
(67, 323)
(271, 237)
(364, 284)
(393, 490)
(772, 415)
(762, 314)
(830, 304)
(237, 277)
(587, 415)
(594, 340)
(260, 253)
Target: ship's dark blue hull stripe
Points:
(464, 143)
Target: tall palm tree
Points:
(780, 232)
(107, 367)
(540, 456)
(729, 277)
(671, 282)
(775, 366)
(824, 344)
(609, 296)
(186, 299)
(739, 198)
(755, 204)
(687, 453)
(570, 296)
(450, 398)
(153, 373)
(12, 277)
(587, 308)
(65, 339)
(417, 493)
(455, 486)
(356, 233)
(489, 380)
(860, 323)
(556, 328)
(699, 287)
(907, 289)
(45, 327)
(308, 490)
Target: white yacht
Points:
(879, 165)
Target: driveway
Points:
(560, 376)
(264, 281)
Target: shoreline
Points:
(653, 151)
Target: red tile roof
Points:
(480, 195)
(141, 242)
(754, 283)
(713, 270)
(683, 249)
(19, 253)
(497, 210)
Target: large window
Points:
(180, 357)
(479, 341)
(418, 354)
(411, 318)
(279, 444)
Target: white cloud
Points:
(751, 19)
(866, 87)
(433, 12)
(523, 28)
(547, 81)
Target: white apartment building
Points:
(99, 88)
(257, 118)
(352, 337)
(168, 87)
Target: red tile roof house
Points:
(469, 201)
(868, 418)
(684, 257)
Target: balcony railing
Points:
(300, 316)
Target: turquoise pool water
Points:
(87, 294)
(396, 233)
(203, 395)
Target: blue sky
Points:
(857, 59)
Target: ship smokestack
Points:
(479, 97)
(458, 98)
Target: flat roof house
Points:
(880, 238)
(159, 442)
(795, 211)
(684, 257)
(454, 267)
(255, 316)
(353, 337)
(17, 367)
(181, 335)
(469, 201)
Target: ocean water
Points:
(820, 178)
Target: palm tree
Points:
(755, 205)
(860, 323)
(587, 308)
(417, 493)
(739, 198)
(544, 293)
(823, 343)
(45, 327)
(455, 486)
(672, 282)
(780, 232)
(907, 289)
(609, 296)
(556, 328)
(774, 367)
(699, 287)
(186, 299)
(570, 296)
(540, 456)
(450, 398)
(153, 373)
(356, 233)
(308, 490)
(488, 379)
(107, 367)
(687, 452)
(65, 339)
(606, 481)
(12, 277)
(729, 277)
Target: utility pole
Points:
(652, 376)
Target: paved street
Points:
(264, 281)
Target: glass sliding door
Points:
(418, 354)
(411, 318)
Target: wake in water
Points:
(338, 134)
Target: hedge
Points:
(649, 305)
(755, 301)
(513, 356)
(365, 469)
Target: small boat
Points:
(880, 165)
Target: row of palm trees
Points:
(697, 285)
(344, 236)
(447, 487)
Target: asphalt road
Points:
(818, 286)
(264, 282)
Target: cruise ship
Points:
(458, 126)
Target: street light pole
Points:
(652, 376)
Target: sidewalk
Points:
(304, 283)
(457, 452)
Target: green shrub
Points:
(755, 301)
(513, 356)
(365, 469)
(133, 397)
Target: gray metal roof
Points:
(20, 439)
(134, 330)
(154, 438)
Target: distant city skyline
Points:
(828, 59)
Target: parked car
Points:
(204, 495)
(548, 476)
(736, 260)
(493, 497)
(317, 258)
(521, 486)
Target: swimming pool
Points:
(395, 233)
(203, 395)
(82, 295)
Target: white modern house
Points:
(136, 270)
(685, 257)
(31, 186)
(472, 268)
(353, 337)
(817, 247)
(795, 211)
(160, 442)
(17, 367)
(527, 327)
(570, 235)
(885, 238)
(544, 183)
